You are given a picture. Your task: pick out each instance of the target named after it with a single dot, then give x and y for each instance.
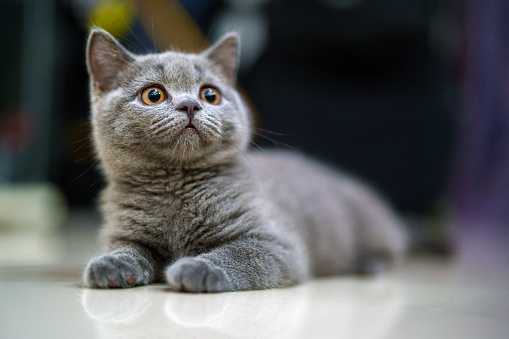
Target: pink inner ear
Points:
(106, 59)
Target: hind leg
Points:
(382, 241)
(373, 264)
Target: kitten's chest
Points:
(178, 217)
(190, 225)
(175, 210)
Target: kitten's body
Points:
(193, 208)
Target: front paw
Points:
(197, 275)
(114, 271)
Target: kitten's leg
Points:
(246, 264)
(373, 263)
(382, 242)
(127, 266)
(380, 237)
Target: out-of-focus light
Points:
(114, 16)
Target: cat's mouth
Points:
(190, 128)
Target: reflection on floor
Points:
(464, 297)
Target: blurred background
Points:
(410, 95)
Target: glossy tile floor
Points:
(427, 297)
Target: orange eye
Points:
(210, 95)
(152, 96)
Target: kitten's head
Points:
(168, 109)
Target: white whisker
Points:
(161, 126)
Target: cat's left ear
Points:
(225, 54)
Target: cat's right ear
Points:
(106, 58)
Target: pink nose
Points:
(189, 106)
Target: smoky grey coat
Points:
(187, 203)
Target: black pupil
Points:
(154, 95)
(210, 95)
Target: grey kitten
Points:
(188, 204)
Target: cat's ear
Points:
(225, 54)
(106, 58)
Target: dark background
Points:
(405, 94)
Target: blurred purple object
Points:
(481, 182)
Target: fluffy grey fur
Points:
(198, 210)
